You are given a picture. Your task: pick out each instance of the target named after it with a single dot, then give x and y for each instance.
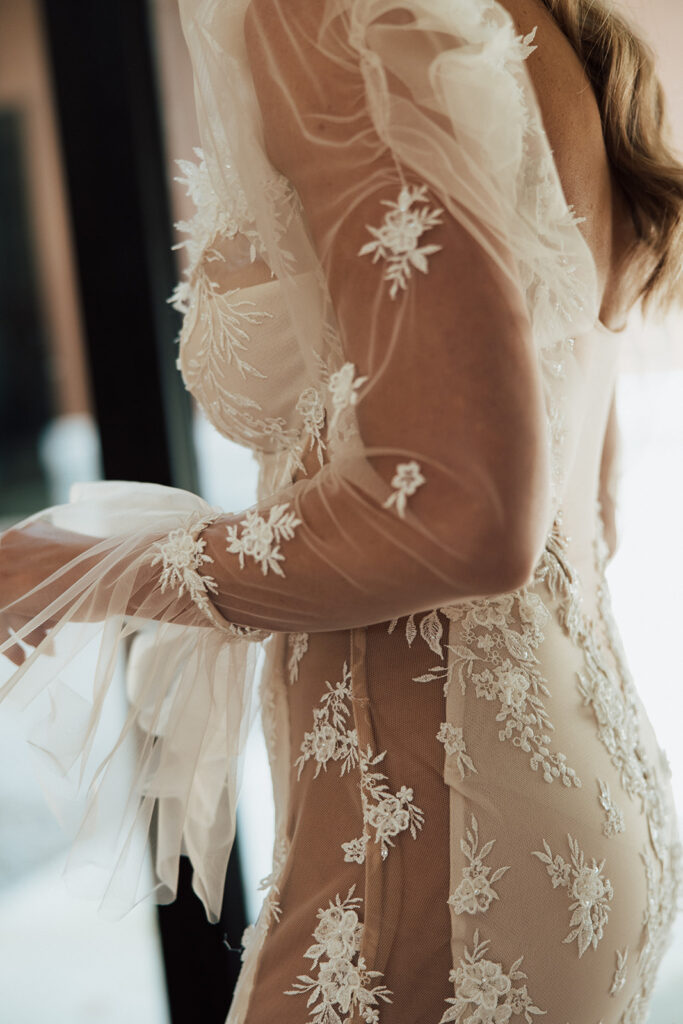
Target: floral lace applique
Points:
(484, 992)
(495, 654)
(343, 387)
(181, 555)
(342, 989)
(663, 880)
(311, 408)
(330, 739)
(613, 699)
(224, 216)
(619, 979)
(475, 892)
(298, 645)
(269, 884)
(614, 819)
(406, 481)
(589, 893)
(451, 737)
(615, 709)
(396, 241)
(260, 538)
(386, 812)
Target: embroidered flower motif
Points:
(330, 739)
(451, 737)
(406, 481)
(342, 990)
(388, 814)
(260, 538)
(496, 654)
(514, 687)
(484, 983)
(182, 555)
(355, 849)
(619, 979)
(396, 241)
(484, 991)
(589, 893)
(614, 819)
(311, 408)
(614, 700)
(475, 892)
(298, 645)
(343, 387)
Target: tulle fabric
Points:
(173, 770)
(339, 363)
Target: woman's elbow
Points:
(508, 550)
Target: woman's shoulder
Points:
(573, 124)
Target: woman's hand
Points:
(28, 557)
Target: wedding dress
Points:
(474, 820)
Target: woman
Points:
(420, 228)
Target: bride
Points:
(420, 227)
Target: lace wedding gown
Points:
(474, 818)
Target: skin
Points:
(571, 119)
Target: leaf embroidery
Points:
(619, 979)
(430, 630)
(614, 819)
(396, 241)
(298, 645)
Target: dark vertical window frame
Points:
(25, 372)
(103, 77)
(106, 96)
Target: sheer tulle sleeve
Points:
(372, 305)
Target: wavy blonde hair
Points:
(621, 68)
